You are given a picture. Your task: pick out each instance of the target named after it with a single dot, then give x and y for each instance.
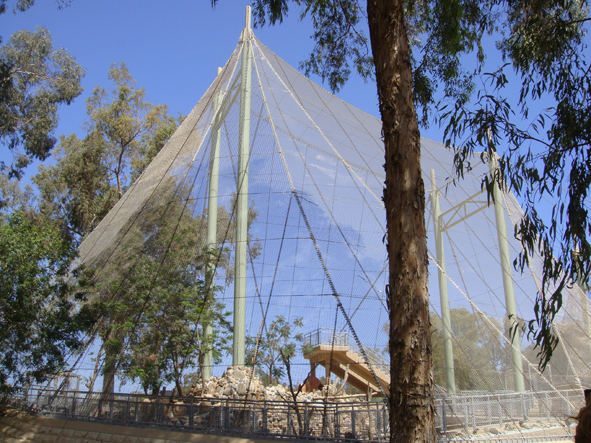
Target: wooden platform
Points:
(359, 374)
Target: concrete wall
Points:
(19, 427)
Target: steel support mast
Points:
(212, 218)
(242, 198)
(448, 354)
(514, 332)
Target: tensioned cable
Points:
(315, 243)
(534, 275)
(128, 194)
(263, 324)
(311, 175)
(165, 174)
(316, 89)
(476, 308)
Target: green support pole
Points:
(584, 299)
(212, 218)
(448, 353)
(515, 335)
(242, 199)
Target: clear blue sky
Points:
(172, 49)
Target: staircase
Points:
(339, 354)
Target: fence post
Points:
(473, 415)
(227, 415)
(465, 403)
(353, 422)
(547, 406)
(74, 404)
(378, 421)
(337, 422)
(306, 423)
(191, 413)
(443, 417)
(127, 411)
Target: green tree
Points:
(14, 197)
(271, 351)
(167, 287)
(481, 355)
(125, 132)
(431, 77)
(35, 80)
(152, 285)
(132, 129)
(542, 135)
(42, 318)
(275, 349)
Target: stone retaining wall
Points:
(19, 427)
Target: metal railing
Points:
(506, 411)
(286, 419)
(508, 415)
(325, 336)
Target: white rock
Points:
(241, 389)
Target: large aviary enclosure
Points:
(266, 203)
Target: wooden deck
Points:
(359, 374)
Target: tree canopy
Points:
(271, 351)
(35, 79)
(42, 321)
(421, 53)
(124, 133)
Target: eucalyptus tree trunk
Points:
(411, 374)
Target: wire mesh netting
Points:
(316, 265)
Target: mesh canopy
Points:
(316, 230)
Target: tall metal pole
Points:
(584, 299)
(212, 218)
(448, 353)
(242, 198)
(515, 335)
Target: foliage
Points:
(481, 355)
(125, 133)
(34, 80)
(571, 357)
(338, 40)
(133, 130)
(543, 136)
(167, 287)
(41, 321)
(152, 285)
(23, 5)
(272, 351)
(74, 192)
(13, 197)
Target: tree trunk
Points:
(411, 374)
(112, 346)
(95, 373)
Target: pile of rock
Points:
(235, 383)
(239, 382)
